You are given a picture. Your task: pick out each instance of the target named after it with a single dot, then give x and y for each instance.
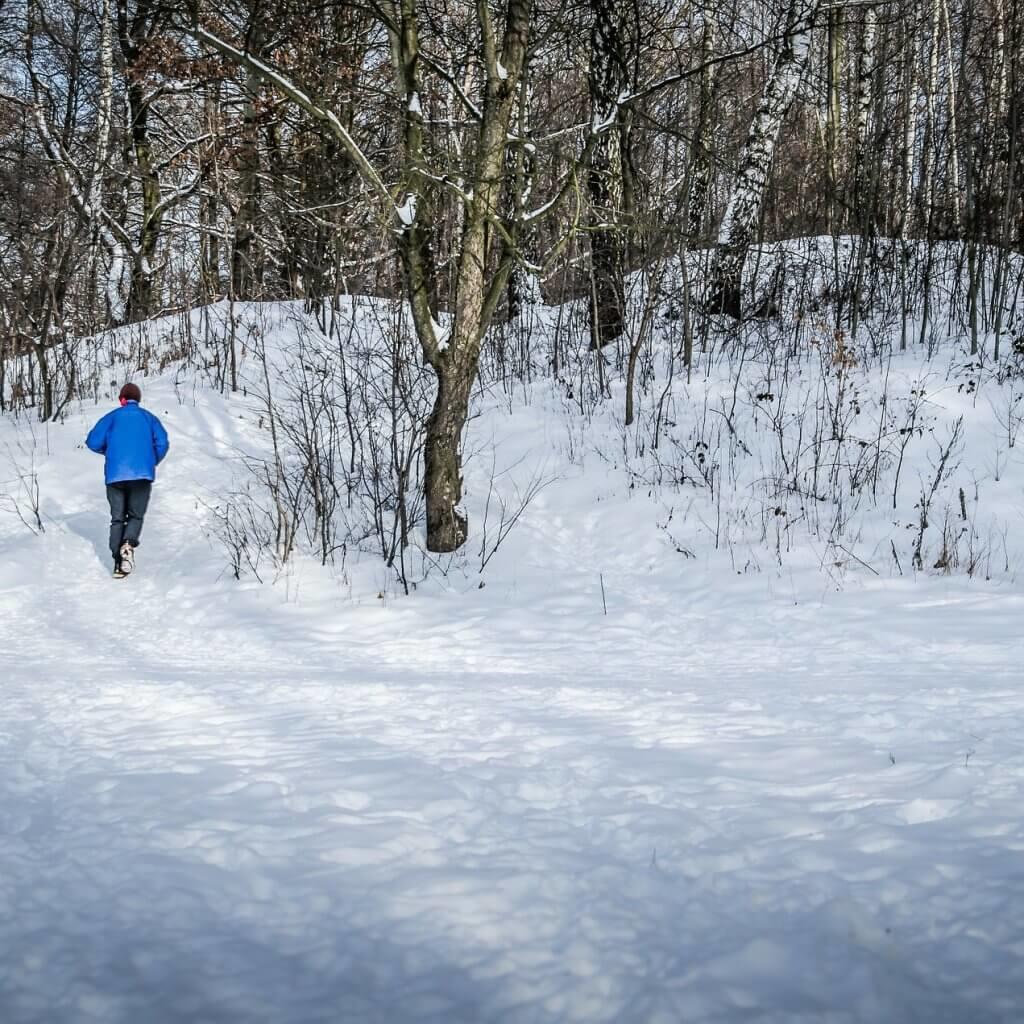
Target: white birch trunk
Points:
(744, 209)
(954, 154)
(700, 159)
(103, 109)
(928, 157)
(909, 135)
(862, 115)
(865, 74)
(999, 140)
(1002, 72)
(115, 270)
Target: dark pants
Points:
(128, 502)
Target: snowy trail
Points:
(717, 803)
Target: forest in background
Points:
(468, 160)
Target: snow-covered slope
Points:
(680, 758)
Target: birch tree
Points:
(699, 169)
(739, 224)
(866, 60)
(607, 84)
(910, 118)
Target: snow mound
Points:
(694, 737)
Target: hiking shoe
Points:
(127, 558)
(119, 573)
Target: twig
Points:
(860, 560)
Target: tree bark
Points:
(834, 115)
(743, 212)
(607, 81)
(447, 522)
(699, 185)
(455, 358)
(209, 188)
(133, 36)
(910, 113)
(865, 77)
(246, 265)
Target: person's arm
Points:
(161, 443)
(96, 441)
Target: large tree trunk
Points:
(455, 357)
(744, 210)
(447, 523)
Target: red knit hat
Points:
(130, 393)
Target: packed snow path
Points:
(733, 798)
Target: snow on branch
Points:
(406, 213)
(67, 169)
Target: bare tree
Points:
(483, 258)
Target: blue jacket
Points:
(132, 439)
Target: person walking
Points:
(134, 443)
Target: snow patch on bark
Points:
(406, 213)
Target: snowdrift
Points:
(716, 718)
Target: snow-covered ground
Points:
(768, 782)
